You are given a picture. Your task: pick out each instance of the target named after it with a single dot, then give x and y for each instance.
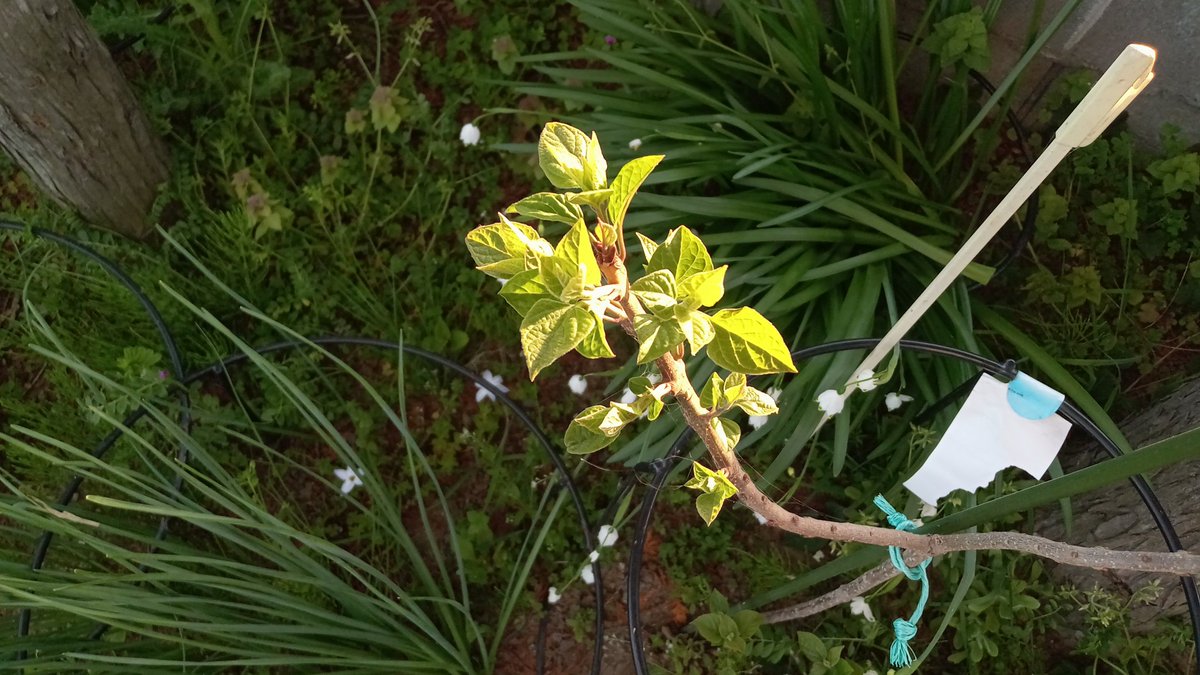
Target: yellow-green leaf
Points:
(595, 345)
(696, 326)
(710, 395)
(548, 206)
(649, 246)
(550, 329)
(524, 289)
(746, 342)
(728, 431)
(703, 289)
(595, 167)
(735, 385)
(562, 150)
(656, 291)
(708, 505)
(755, 402)
(656, 336)
(557, 274)
(500, 249)
(707, 480)
(595, 198)
(716, 488)
(683, 254)
(581, 439)
(626, 185)
(576, 248)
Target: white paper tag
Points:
(985, 437)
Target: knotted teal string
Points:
(901, 654)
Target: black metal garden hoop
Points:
(661, 468)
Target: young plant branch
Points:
(568, 292)
(920, 546)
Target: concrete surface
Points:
(1094, 35)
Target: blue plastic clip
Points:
(1032, 399)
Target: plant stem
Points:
(917, 546)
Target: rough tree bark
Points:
(70, 119)
(1116, 518)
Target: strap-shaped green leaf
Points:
(553, 328)
(746, 342)
(626, 185)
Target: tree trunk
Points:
(1116, 518)
(70, 119)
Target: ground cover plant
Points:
(323, 176)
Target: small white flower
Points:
(830, 402)
(866, 380)
(553, 596)
(760, 518)
(635, 144)
(928, 510)
(628, 397)
(469, 135)
(577, 384)
(711, 484)
(349, 477)
(593, 556)
(607, 536)
(654, 378)
(502, 282)
(859, 607)
(482, 394)
(775, 393)
(893, 400)
(819, 556)
(588, 576)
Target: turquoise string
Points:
(901, 654)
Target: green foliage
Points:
(565, 295)
(1109, 285)
(714, 487)
(1110, 638)
(746, 342)
(786, 118)
(961, 39)
(728, 630)
(247, 580)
